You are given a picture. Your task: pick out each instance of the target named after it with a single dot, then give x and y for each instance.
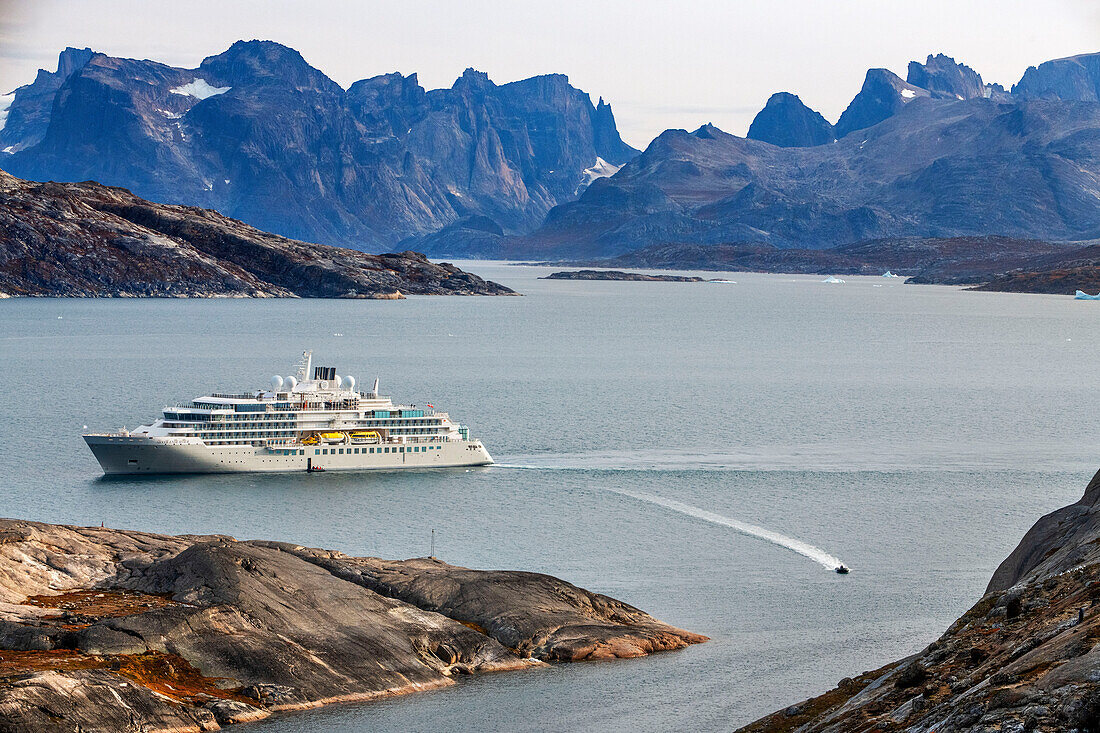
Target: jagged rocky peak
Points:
(605, 133)
(261, 62)
(883, 94)
(944, 77)
(390, 160)
(28, 113)
(473, 80)
(787, 122)
(1072, 79)
(388, 104)
(72, 59)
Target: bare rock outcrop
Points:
(113, 630)
(1024, 658)
(88, 240)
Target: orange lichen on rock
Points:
(173, 676)
(90, 605)
(14, 664)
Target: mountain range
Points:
(534, 170)
(955, 158)
(260, 135)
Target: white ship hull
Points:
(119, 455)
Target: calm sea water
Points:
(913, 432)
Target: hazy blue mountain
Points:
(29, 112)
(258, 134)
(936, 168)
(787, 122)
(1073, 79)
(883, 95)
(942, 76)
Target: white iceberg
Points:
(889, 274)
(1082, 295)
(833, 280)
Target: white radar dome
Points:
(349, 382)
(290, 383)
(276, 383)
(338, 381)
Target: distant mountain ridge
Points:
(961, 158)
(258, 134)
(534, 170)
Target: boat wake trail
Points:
(802, 548)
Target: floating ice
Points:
(908, 93)
(833, 280)
(889, 274)
(1082, 295)
(199, 88)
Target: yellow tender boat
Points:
(311, 439)
(365, 436)
(334, 437)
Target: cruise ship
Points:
(312, 421)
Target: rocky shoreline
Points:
(620, 275)
(93, 241)
(1026, 657)
(115, 630)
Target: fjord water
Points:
(913, 432)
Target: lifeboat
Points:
(365, 436)
(334, 437)
(311, 439)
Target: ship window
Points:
(315, 451)
(341, 451)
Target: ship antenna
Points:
(304, 364)
(376, 386)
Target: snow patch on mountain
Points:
(600, 169)
(200, 89)
(5, 103)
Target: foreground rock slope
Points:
(84, 239)
(114, 630)
(1024, 658)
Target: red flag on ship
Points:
(431, 405)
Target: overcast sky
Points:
(659, 64)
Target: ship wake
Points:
(805, 549)
(802, 548)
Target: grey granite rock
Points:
(216, 631)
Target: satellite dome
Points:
(291, 383)
(276, 383)
(338, 381)
(349, 382)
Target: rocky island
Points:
(1024, 658)
(89, 240)
(114, 630)
(619, 275)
